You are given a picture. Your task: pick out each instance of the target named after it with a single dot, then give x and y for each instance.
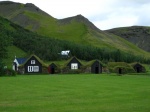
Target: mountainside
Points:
(76, 29)
(17, 13)
(25, 42)
(138, 35)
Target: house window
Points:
(36, 68)
(32, 61)
(74, 66)
(30, 68)
(33, 68)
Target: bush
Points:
(9, 72)
(2, 71)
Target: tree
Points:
(1, 68)
(5, 41)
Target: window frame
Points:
(74, 66)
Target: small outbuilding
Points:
(120, 70)
(94, 66)
(52, 68)
(120, 67)
(74, 64)
(65, 54)
(139, 68)
(17, 62)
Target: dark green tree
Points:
(5, 41)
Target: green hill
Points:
(138, 35)
(77, 29)
(51, 35)
(12, 52)
(26, 42)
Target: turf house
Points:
(33, 65)
(52, 68)
(73, 65)
(94, 66)
(120, 67)
(139, 68)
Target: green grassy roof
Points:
(67, 62)
(89, 63)
(43, 64)
(133, 64)
(118, 64)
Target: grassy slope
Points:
(29, 17)
(75, 93)
(51, 27)
(138, 35)
(12, 52)
(74, 30)
(80, 33)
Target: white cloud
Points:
(105, 14)
(120, 21)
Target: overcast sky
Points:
(105, 14)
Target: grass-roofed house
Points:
(139, 68)
(33, 65)
(120, 67)
(53, 68)
(73, 65)
(94, 66)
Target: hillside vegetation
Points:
(138, 35)
(12, 52)
(26, 43)
(76, 29)
(48, 36)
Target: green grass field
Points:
(75, 93)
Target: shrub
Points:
(2, 71)
(9, 72)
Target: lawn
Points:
(75, 93)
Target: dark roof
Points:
(21, 60)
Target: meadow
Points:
(75, 93)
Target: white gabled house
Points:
(65, 53)
(17, 62)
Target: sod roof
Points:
(43, 64)
(68, 61)
(135, 63)
(89, 63)
(118, 64)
